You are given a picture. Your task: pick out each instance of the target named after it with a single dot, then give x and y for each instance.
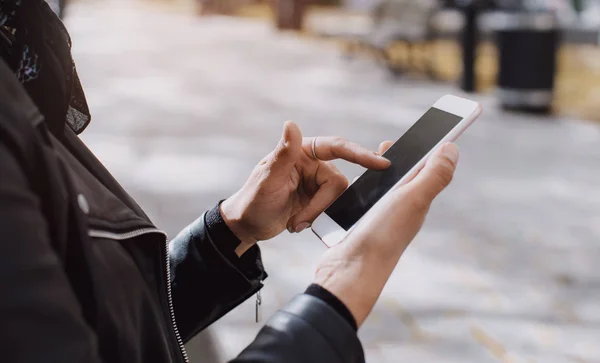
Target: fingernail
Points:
(302, 226)
(451, 152)
(289, 228)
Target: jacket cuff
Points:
(225, 241)
(220, 232)
(206, 284)
(322, 318)
(333, 301)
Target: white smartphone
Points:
(444, 122)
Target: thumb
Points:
(437, 173)
(288, 149)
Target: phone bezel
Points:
(332, 233)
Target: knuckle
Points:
(445, 171)
(266, 159)
(336, 147)
(283, 150)
(340, 181)
(338, 141)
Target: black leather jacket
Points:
(86, 277)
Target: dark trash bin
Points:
(528, 44)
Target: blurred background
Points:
(187, 96)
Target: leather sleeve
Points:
(40, 316)
(207, 284)
(307, 330)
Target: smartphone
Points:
(444, 122)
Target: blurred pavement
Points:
(506, 268)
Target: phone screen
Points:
(427, 132)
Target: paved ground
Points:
(506, 266)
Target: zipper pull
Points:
(258, 308)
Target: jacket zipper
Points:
(170, 298)
(127, 235)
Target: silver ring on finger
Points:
(313, 147)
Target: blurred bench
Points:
(397, 21)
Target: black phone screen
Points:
(427, 132)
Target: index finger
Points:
(330, 148)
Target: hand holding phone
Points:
(444, 121)
(357, 270)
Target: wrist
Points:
(232, 213)
(355, 276)
(338, 282)
(347, 283)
